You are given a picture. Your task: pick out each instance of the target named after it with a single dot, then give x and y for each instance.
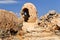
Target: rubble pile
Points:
(50, 21)
(47, 28)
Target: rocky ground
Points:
(47, 28)
(13, 28)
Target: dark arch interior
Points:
(26, 14)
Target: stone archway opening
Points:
(26, 14)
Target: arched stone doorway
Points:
(26, 14)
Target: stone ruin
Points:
(45, 28)
(29, 13)
(29, 26)
(29, 17)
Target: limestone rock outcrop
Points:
(47, 28)
(39, 29)
(29, 26)
(9, 25)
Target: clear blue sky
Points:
(43, 6)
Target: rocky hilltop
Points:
(47, 28)
(29, 26)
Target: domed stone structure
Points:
(29, 13)
(29, 16)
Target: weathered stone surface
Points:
(47, 28)
(51, 20)
(28, 26)
(9, 25)
(29, 13)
